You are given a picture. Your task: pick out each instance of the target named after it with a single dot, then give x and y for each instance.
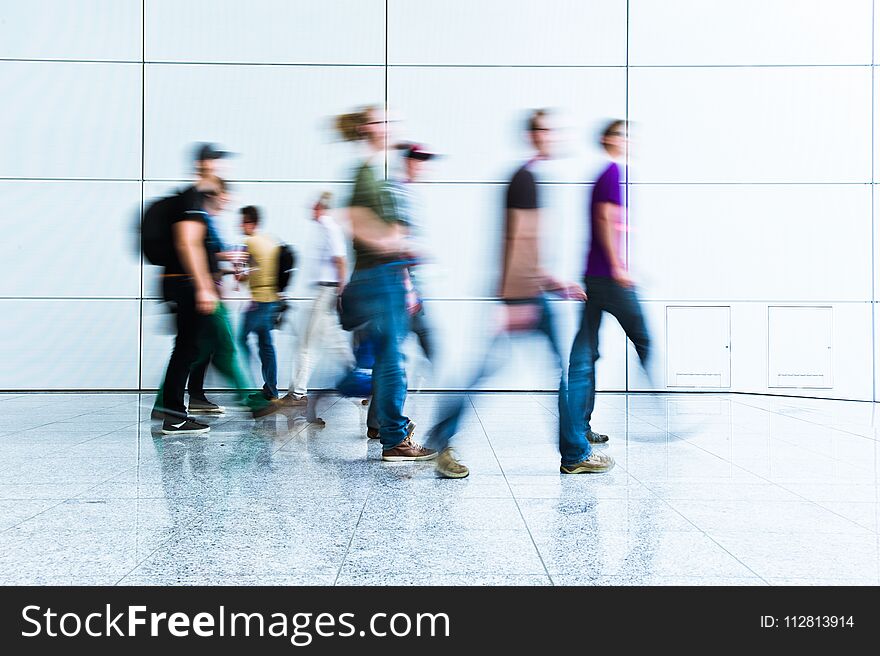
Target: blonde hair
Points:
(349, 125)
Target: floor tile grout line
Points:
(701, 530)
(767, 480)
(510, 488)
(176, 533)
(684, 439)
(782, 414)
(351, 539)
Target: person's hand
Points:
(621, 277)
(235, 257)
(206, 301)
(575, 291)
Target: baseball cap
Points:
(418, 151)
(205, 151)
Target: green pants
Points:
(216, 342)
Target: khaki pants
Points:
(322, 329)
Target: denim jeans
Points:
(573, 446)
(259, 318)
(604, 295)
(375, 301)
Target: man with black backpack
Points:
(264, 256)
(175, 235)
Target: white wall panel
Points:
(751, 124)
(476, 116)
(749, 32)
(749, 353)
(73, 239)
(69, 344)
(277, 118)
(552, 32)
(852, 338)
(70, 120)
(270, 31)
(62, 29)
(800, 345)
(752, 242)
(698, 347)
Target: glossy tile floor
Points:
(709, 489)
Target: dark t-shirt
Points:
(189, 208)
(521, 276)
(607, 189)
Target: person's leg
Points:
(268, 362)
(573, 444)
(226, 362)
(373, 418)
(584, 354)
(248, 325)
(453, 406)
(309, 342)
(388, 330)
(181, 293)
(623, 304)
(196, 384)
(419, 326)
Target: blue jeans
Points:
(259, 318)
(375, 301)
(573, 445)
(604, 295)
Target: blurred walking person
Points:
(375, 299)
(322, 326)
(524, 285)
(216, 343)
(607, 282)
(402, 198)
(259, 317)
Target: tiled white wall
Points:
(752, 172)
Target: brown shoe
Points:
(449, 467)
(595, 464)
(408, 450)
(268, 409)
(292, 399)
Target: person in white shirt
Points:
(322, 326)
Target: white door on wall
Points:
(698, 347)
(799, 346)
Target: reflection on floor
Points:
(709, 489)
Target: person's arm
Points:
(374, 234)
(189, 238)
(339, 263)
(608, 215)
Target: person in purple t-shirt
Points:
(609, 287)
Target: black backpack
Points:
(286, 265)
(156, 240)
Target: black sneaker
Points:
(204, 407)
(596, 438)
(184, 427)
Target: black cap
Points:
(209, 151)
(419, 152)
